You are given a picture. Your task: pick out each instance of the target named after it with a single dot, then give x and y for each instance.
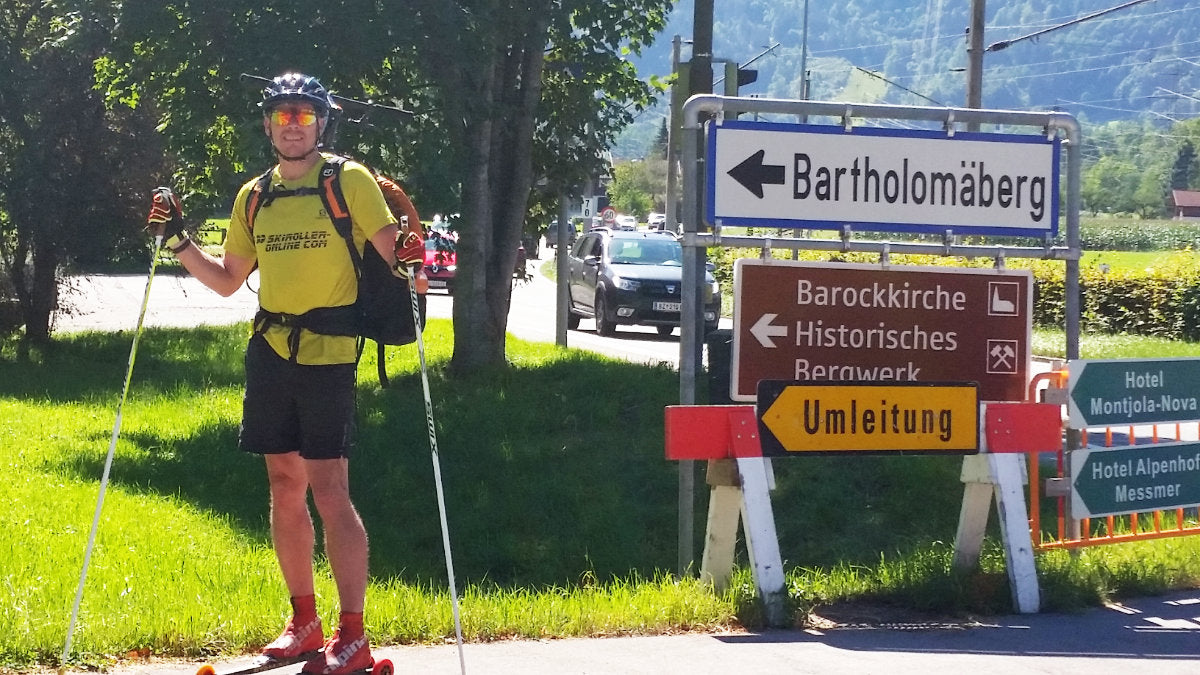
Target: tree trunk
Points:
(495, 196)
(37, 290)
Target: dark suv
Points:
(621, 277)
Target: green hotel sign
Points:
(1116, 392)
(1133, 479)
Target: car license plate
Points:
(437, 283)
(661, 306)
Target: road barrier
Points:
(1103, 486)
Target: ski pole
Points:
(437, 469)
(112, 446)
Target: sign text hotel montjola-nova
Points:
(825, 177)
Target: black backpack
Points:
(383, 309)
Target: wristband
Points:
(178, 243)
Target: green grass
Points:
(1132, 260)
(1051, 343)
(562, 509)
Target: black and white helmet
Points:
(297, 87)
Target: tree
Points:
(661, 140)
(505, 94)
(1109, 186)
(1181, 170)
(67, 166)
(1150, 200)
(638, 187)
(548, 73)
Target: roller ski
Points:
(301, 643)
(265, 663)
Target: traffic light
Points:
(736, 78)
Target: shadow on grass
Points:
(91, 365)
(553, 471)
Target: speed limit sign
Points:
(608, 215)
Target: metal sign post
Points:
(839, 174)
(701, 176)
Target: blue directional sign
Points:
(1113, 392)
(1134, 479)
(892, 180)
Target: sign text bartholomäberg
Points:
(795, 175)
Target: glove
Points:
(410, 255)
(166, 220)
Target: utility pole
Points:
(672, 211)
(700, 81)
(702, 40)
(804, 57)
(975, 59)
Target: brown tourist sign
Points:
(852, 323)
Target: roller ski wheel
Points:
(206, 669)
(383, 667)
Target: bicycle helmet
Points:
(297, 87)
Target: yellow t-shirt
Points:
(302, 260)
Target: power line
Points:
(1004, 44)
(900, 86)
(958, 36)
(1104, 55)
(1056, 20)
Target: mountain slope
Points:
(1141, 61)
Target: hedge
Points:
(1162, 302)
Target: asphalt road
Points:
(1153, 635)
(1150, 635)
(112, 302)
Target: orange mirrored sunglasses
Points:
(283, 117)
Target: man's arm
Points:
(384, 242)
(223, 275)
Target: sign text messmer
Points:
(1111, 481)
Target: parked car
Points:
(441, 260)
(632, 278)
(626, 223)
(656, 221)
(552, 234)
(532, 245)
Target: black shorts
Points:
(292, 407)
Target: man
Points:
(299, 410)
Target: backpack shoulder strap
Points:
(330, 189)
(258, 195)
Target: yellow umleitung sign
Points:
(914, 417)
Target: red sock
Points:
(350, 625)
(304, 608)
